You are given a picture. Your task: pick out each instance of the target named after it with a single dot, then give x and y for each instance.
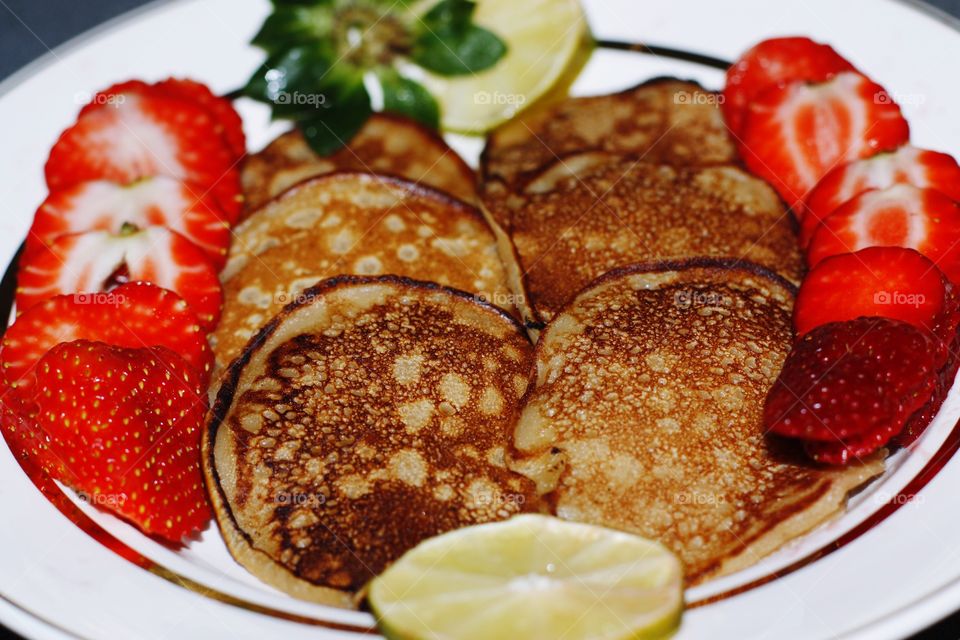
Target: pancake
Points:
(387, 144)
(664, 120)
(645, 415)
(373, 415)
(351, 223)
(594, 211)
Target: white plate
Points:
(887, 568)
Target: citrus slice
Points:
(531, 577)
(544, 38)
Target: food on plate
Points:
(368, 416)
(108, 206)
(794, 133)
(122, 427)
(532, 577)
(96, 261)
(892, 282)
(387, 144)
(352, 223)
(664, 120)
(907, 165)
(589, 213)
(646, 415)
(142, 132)
(772, 62)
(848, 387)
(898, 216)
(135, 314)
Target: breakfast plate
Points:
(884, 569)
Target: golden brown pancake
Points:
(351, 223)
(664, 120)
(645, 415)
(592, 212)
(372, 415)
(387, 144)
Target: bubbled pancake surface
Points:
(373, 415)
(387, 144)
(592, 212)
(646, 415)
(351, 223)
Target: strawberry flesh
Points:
(772, 62)
(795, 133)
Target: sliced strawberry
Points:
(906, 165)
(231, 126)
(899, 216)
(890, 282)
(126, 425)
(157, 201)
(94, 261)
(26, 440)
(135, 314)
(847, 387)
(142, 133)
(795, 133)
(776, 61)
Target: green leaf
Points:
(450, 44)
(295, 25)
(407, 97)
(344, 113)
(285, 79)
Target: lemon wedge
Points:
(531, 577)
(546, 41)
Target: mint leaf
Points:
(294, 24)
(450, 44)
(294, 79)
(409, 98)
(345, 111)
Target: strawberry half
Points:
(124, 427)
(906, 165)
(157, 201)
(95, 261)
(772, 62)
(899, 216)
(136, 314)
(890, 282)
(848, 387)
(141, 133)
(795, 133)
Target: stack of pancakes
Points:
(379, 381)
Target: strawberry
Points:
(108, 206)
(135, 314)
(906, 165)
(772, 62)
(124, 425)
(231, 126)
(141, 133)
(796, 133)
(847, 387)
(28, 443)
(899, 216)
(94, 261)
(891, 282)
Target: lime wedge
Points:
(543, 38)
(530, 577)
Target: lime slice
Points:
(530, 577)
(543, 38)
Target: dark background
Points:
(30, 28)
